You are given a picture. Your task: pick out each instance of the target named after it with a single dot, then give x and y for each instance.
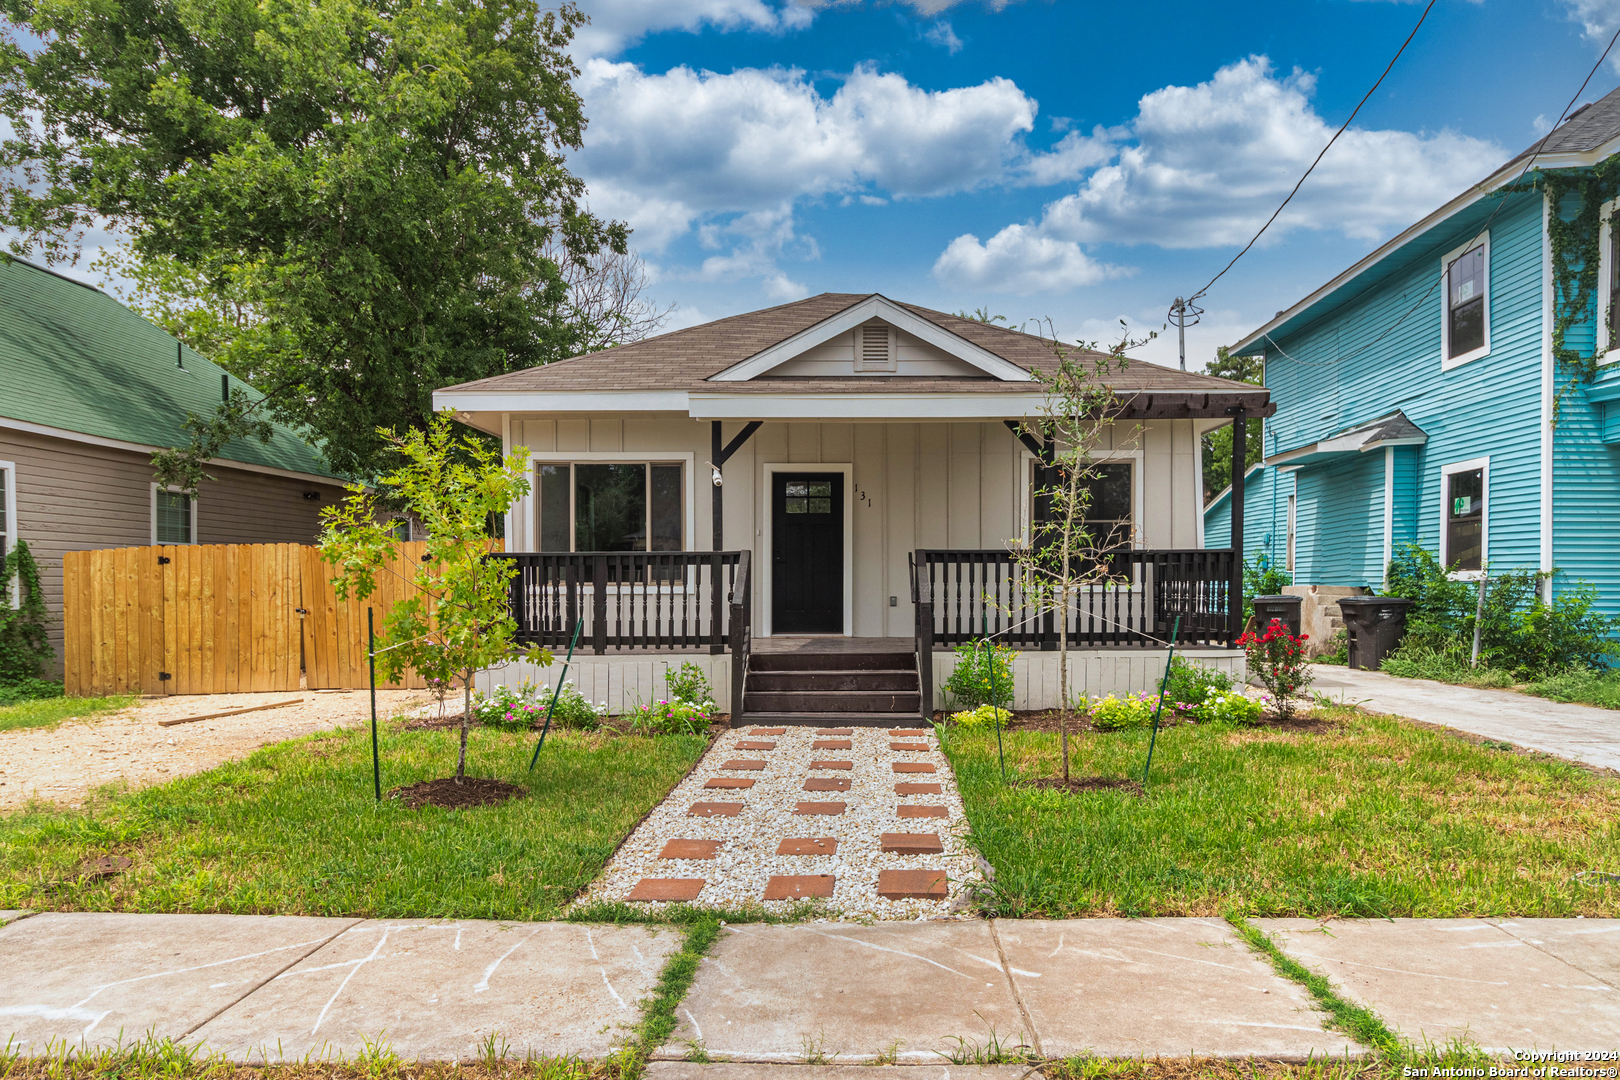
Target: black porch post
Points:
(717, 459)
(1240, 433)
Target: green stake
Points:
(553, 706)
(371, 656)
(1163, 686)
(995, 708)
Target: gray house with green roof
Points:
(88, 390)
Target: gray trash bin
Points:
(1286, 608)
(1374, 626)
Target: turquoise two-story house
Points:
(1458, 387)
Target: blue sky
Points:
(1042, 159)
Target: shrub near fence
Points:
(216, 619)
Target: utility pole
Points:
(1181, 311)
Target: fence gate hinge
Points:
(164, 676)
(162, 559)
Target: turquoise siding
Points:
(1381, 352)
(1265, 515)
(1340, 522)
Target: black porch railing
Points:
(1134, 601)
(631, 600)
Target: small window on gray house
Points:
(173, 517)
(5, 521)
(1465, 303)
(1465, 520)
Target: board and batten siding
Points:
(912, 485)
(74, 496)
(1370, 357)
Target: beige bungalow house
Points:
(817, 500)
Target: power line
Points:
(1483, 229)
(1387, 68)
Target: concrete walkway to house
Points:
(919, 993)
(1578, 732)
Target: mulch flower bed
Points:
(445, 792)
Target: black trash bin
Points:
(1374, 626)
(1286, 608)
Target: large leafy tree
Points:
(372, 192)
(1218, 443)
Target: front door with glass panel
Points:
(807, 553)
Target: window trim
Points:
(153, 502)
(531, 508)
(1026, 512)
(1608, 351)
(1448, 362)
(1483, 464)
(8, 539)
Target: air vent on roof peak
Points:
(875, 347)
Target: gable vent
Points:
(877, 347)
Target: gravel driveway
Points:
(64, 764)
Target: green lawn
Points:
(48, 712)
(1374, 816)
(294, 829)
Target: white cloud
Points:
(942, 35)
(725, 153)
(1598, 19)
(1018, 260)
(617, 24)
(1204, 166)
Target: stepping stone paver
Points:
(1145, 988)
(769, 731)
(716, 809)
(756, 745)
(822, 845)
(829, 809)
(918, 789)
(689, 849)
(832, 764)
(921, 811)
(800, 886)
(1500, 983)
(910, 748)
(912, 766)
(911, 843)
(831, 744)
(670, 888)
(764, 991)
(835, 731)
(733, 782)
(744, 764)
(912, 884)
(827, 783)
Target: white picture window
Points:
(1465, 516)
(174, 516)
(611, 505)
(1113, 507)
(1609, 286)
(1465, 309)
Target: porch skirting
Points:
(629, 679)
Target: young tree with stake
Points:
(1064, 552)
(457, 619)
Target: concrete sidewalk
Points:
(1577, 732)
(268, 988)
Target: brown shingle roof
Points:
(688, 359)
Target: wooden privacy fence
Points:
(219, 619)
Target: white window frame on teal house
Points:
(192, 504)
(1447, 362)
(1608, 347)
(1483, 464)
(8, 519)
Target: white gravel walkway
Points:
(745, 845)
